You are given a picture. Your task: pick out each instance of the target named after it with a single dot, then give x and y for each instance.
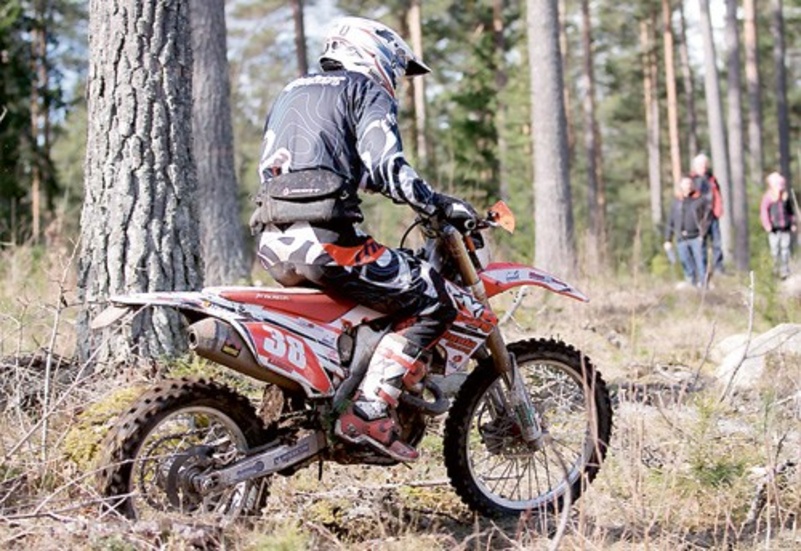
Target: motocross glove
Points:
(457, 212)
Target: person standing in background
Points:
(688, 223)
(708, 187)
(778, 220)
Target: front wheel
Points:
(176, 430)
(491, 467)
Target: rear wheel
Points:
(176, 430)
(492, 468)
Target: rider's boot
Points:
(371, 418)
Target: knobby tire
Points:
(124, 442)
(560, 362)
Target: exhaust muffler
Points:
(217, 341)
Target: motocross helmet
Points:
(373, 49)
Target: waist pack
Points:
(308, 196)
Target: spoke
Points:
(546, 467)
(505, 477)
(574, 451)
(488, 457)
(528, 470)
(514, 472)
(517, 476)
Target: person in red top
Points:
(708, 187)
(777, 217)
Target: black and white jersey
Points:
(343, 122)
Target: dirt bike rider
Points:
(328, 136)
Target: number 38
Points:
(284, 346)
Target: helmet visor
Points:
(416, 67)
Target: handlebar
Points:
(499, 215)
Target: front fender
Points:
(502, 276)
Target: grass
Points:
(684, 468)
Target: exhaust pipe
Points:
(217, 341)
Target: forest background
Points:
(640, 98)
(636, 101)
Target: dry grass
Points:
(686, 470)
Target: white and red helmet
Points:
(373, 49)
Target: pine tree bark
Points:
(40, 139)
(300, 36)
(555, 247)
(717, 131)
(689, 86)
(652, 121)
(596, 196)
(779, 55)
(501, 78)
(755, 154)
(37, 43)
(565, 51)
(222, 236)
(670, 84)
(139, 223)
(739, 196)
(414, 21)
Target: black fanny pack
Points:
(308, 196)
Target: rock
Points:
(725, 347)
(782, 339)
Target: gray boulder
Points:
(744, 365)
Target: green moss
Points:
(83, 439)
(327, 512)
(113, 543)
(435, 498)
(192, 365)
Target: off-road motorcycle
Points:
(527, 429)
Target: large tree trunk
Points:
(738, 192)
(596, 196)
(652, 121)
(565, 51)
(300, 36)
(139, 223)
(670, 83)
(37, 39)
(40, 140)
(221, 230)
(501, 78)
(717, 132)
(689, 86)
(555, 248)
(777, 30)
(414, 21)
(755, 155)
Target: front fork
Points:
(516, 397)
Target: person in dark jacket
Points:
(328, 137)
(709, 188)
(778, 219)
(688, 223)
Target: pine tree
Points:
(221, 230)
(555, 246)
(139, 223)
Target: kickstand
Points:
(320, 470)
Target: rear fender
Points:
(502, 276)
(181, 301)
(274, 348)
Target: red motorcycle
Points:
(526, 430)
